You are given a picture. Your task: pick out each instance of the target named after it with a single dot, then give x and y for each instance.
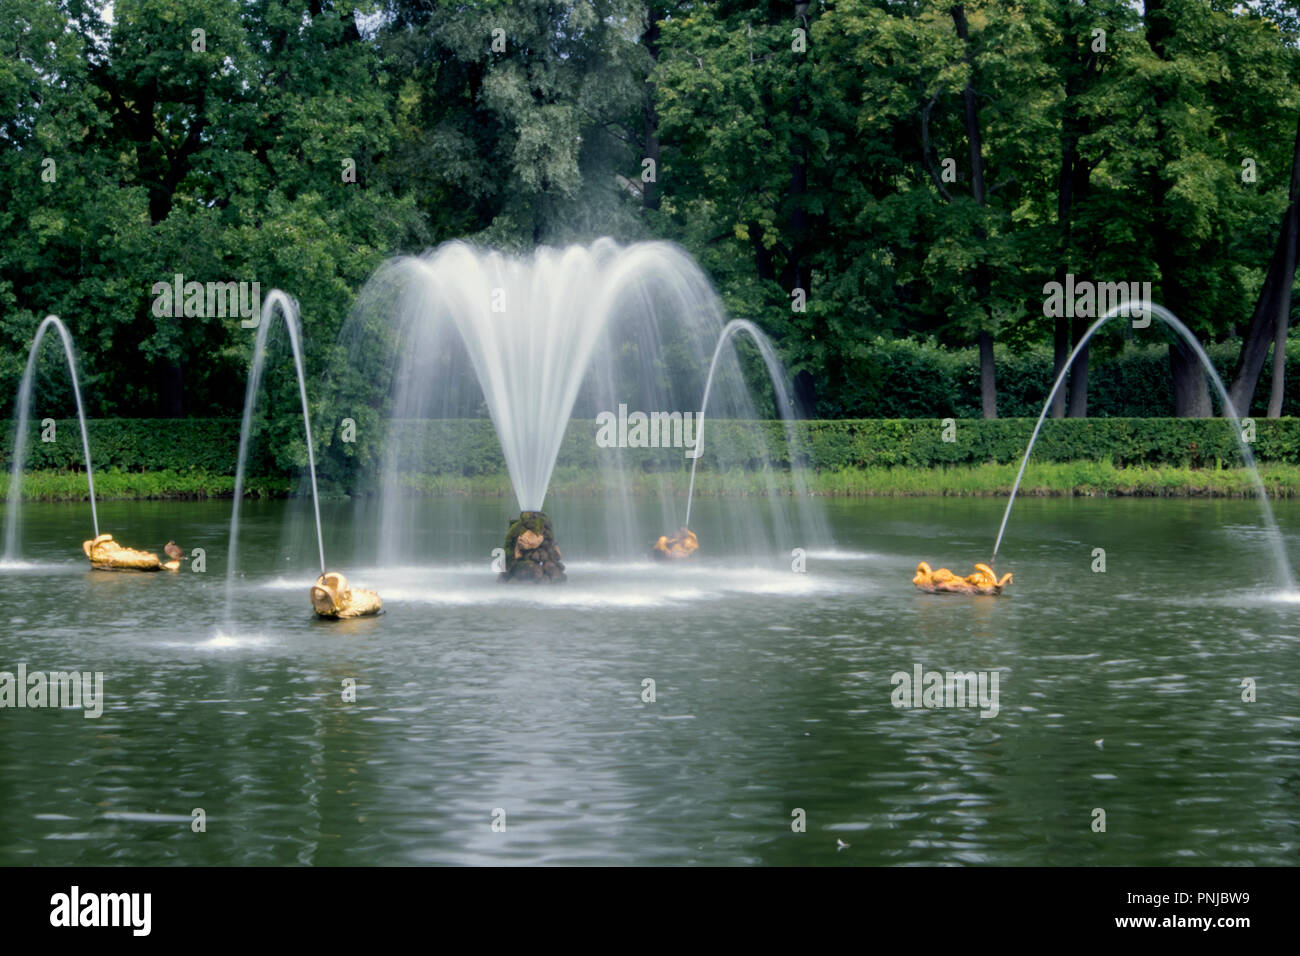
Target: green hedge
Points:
(1119, 441)
(906, 378)
(133, 444)
(469, 447)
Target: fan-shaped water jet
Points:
(538, 342)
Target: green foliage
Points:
(462, 456)
(1046, 479)
(138, 445)
(1041, 479)
(915, 378)
(115, 484)
(217, 157)
(513, 115)
(887, 247)
(785, 162)
(469, 448)
(918, 443)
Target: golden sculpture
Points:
(331, 597)
(105, 554)
(983, 581)
(677, 546)
(173, 551)
(527, 541)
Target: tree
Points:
(745, 167)
(1272, 312)
(516, 114)
(1079, 48)
(186, 153)
(988, 384)
(1203, 120)
(953, 80)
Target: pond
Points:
(502, 724)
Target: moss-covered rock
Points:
(531, 551)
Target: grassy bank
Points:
(1042, 479)
(113, 484)
(1060, 478)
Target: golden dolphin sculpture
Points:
(105, 554)
(677, 546)
(983, 581)
(331, 597)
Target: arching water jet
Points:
(20, 434)
(784, 406)
(330, 595)
(1144, 307)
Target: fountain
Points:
(784, 406)
(20, 433)
(531, 551)
(331, 597)
(943, 581)
(1169, 319)
(533, 342)
(105, 554)
(677, 546)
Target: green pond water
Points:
(1120, 691)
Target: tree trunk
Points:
(649, 117)
(1191, 395)
(988, 379)
(1279, 366)
(805, 395)
(1074, 178)
(763, 263)
(171, 391)
(1079, 376)
(797, 271)
(1273, 307)
(1064, 206)
(1079, 382)
(1060, 352)
(650, 132)
(795, 275)
(988, 384)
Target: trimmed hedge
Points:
(907, 378)
(1186, 442)
(468, 447)
(132, 444)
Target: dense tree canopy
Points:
(843, 170)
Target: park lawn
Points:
(113, 484)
